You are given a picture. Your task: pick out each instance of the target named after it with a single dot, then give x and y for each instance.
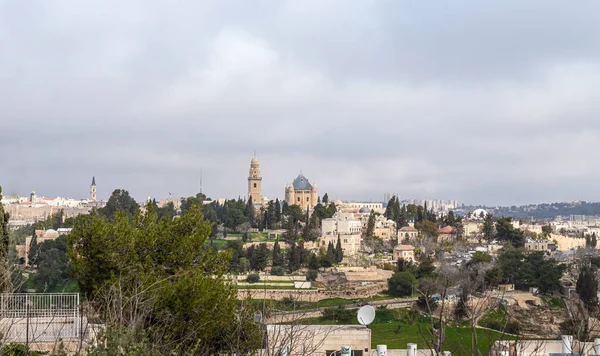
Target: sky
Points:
(487, 102)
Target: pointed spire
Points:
(93, 180)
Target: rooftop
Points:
(404, 248)
(301, 183)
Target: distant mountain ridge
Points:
(542, 211)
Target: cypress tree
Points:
(370, 225)
(330, 256)
(339, 253)
(587, 287)
(33, 250)
(277, 256)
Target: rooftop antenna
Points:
(200, 180)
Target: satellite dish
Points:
(366, 315)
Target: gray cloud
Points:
(483, 102)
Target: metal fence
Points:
(40, 317)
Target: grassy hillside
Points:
(396, 328)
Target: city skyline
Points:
(365, 98)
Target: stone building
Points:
(301, 193)
(406, 252)
(255, 182)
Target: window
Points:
(298, 198)
(307, 199)
(254, 185)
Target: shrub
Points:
(339, 314)
(401, 284)
(253, 278)
(427, 304)
(312, 275)
(277, 271)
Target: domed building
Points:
(302, 193)
(479, 214)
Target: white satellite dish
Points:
(366, 315)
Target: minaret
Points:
(93, 189)
(255, 182)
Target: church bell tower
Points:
(93, 189)
(255, 182)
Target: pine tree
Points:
(339, 252)
(488, 229)
(594, 240)
(325, 199)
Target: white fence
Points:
(45, 317)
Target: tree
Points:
(403, 265)
(168, 211)
(587, 287)
(250, 211)
(487, 228)
(546, 230)
(236, 249)
(313, 262)
(401, 284)
(339, 252)
(331, 253)
(52, 265)
(33, 250)
(171, 293)
(120, 201)
(370, 225)
(5, 285)
(258, 256)
(479, 257)
(427, 228)
(277, 256)
(506, 232)
(425, 267)
(325, 199)
(188, 202)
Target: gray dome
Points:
(364, 210)
(301, 183)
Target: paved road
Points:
(391, 303)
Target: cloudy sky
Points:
(491, 102)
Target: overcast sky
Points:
(487, 102)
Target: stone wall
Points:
(313, 295)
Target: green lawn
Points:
(219, 244)
(389, 330)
